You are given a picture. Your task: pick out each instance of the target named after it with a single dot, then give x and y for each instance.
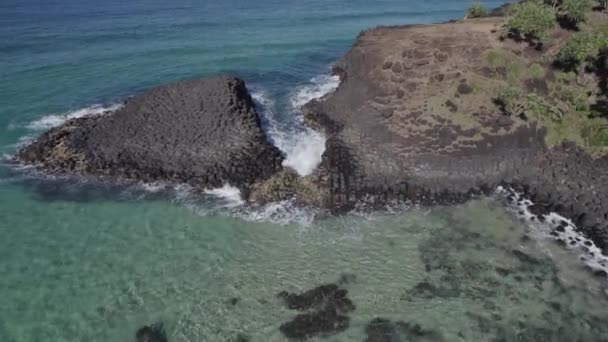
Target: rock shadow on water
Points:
(78, 189)
(324, 312)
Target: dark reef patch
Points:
(383, 330)
(324, 312)
(151, 333)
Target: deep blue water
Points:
(58, 56)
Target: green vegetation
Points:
(582, 50)
(477, 10)
(575, 11)
(536, 71)
(567, 102)
(514, 102)
(531, 20)
(505, 65)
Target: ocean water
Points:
(86, 261)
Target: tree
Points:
(477, 10)
(531, 20)
(603, 4)
(582, 50)
(575, 11)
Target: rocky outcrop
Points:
(568, 181)
(204, 132)
(413, 118)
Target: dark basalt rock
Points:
(325, 309)
(151, 333)
(204, 132)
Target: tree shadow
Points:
(567, 23)
(600, 108)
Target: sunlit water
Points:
(95, 262)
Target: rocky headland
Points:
(416, 118)
(203, 132)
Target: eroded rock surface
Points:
(204, 132)
(414, 119)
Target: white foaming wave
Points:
(227, 201)
(556, 227)
(305, 152)
(54, 120)
(318, 87)
(282, 213)
(302, 145)
(229, 194)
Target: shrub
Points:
(531, 20)
(477, 10)
(582, 49)
(514, 102)
(511, 101)
(575, 11)
(536, 71)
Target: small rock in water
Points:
(601, 273)
(523, 257)
(151, 333)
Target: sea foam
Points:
(230, 195)
(302, 145)
(556, 227)
(54, 120)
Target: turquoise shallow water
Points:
(94, 262)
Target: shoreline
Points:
(392, 139)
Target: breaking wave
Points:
(558, 228)
(302, 145)
(54, 120)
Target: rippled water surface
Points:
(95, 262)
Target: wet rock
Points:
(539, 209)
(151, 333)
